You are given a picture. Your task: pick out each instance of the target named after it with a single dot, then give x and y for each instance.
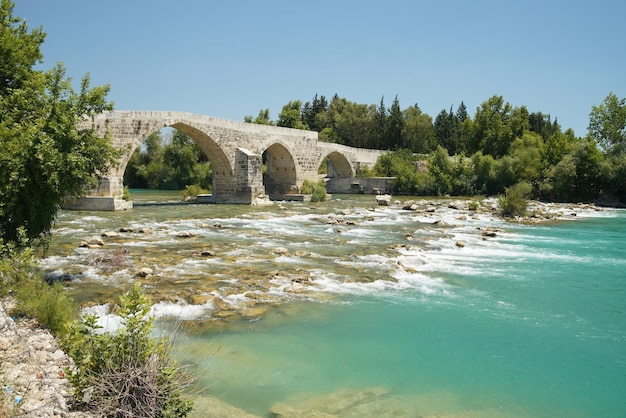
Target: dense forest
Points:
(459, 154)
(500, 146)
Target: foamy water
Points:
(528, 322)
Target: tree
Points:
(380, 126)
(352, 123)
(417, 134)
(395, 125)
(440, 167)
(607, 124)
(312, 113)
(527, 152)
(495, 127)
(263, 118)
(44, 155)
(289, 116)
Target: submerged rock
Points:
(144, 272)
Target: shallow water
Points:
(530, 322)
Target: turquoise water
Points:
(396, 313)
(531, 325)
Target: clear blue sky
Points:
(231, 58)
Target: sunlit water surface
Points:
(531, 322)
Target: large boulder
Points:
(383, 199)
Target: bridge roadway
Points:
(235, 150)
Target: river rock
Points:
(145, 230)
(93, 242)
(383, 199)
(185, 234)
(281, 251)
(54, 277)
(110, 234)
(126, 229)
(144, 272)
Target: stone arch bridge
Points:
(235, 150)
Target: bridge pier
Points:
(107, 196)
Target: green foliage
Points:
(171, 166)
(440, 167)
(314, 114)
(418, 134)
(289, 116)
(126, 196)
(44, 155)
(527, 153)
(126, 373)
(496, 125)
(509, 145)
(515, 200)
(193, 191)
(49, 305)
(16, 262)
(402, 164)
(365, 171)
(607, 124)
(451, 175)
(263, 118)
(316, 190)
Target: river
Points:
(353, 309)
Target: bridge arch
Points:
(340, 164)
(282, 171)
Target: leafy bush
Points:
(35, 298)
(316, 190)
(127, 373)
(515, 200)
(307, 187)
(193, 191)
(50, 305)
(126, 194)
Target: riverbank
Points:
(32, 370)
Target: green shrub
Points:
(193, 191)
(307, 187)
(319, 192)
(34, 298)
(515, 200)
(127, 373)
(473, 206)
(316, 190)
(50, 305)
(126, 195)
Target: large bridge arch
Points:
(282, 170)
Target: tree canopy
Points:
(44, 156)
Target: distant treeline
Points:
(501, 145)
